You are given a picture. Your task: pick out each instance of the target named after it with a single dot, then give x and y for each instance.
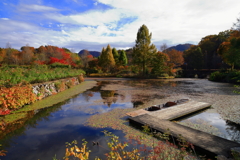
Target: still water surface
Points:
(218, 126)
(44, 135)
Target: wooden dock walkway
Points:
(160, 121)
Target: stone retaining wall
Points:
(43, 90)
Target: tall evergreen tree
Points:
(115, 55)
(102, 57)
(106, 59)
(123, 58)
(143, 50)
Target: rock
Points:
(81, 79)
(169, 104)
(153, 108)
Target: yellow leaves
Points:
(87, 154)
(77, 152)
(77, 149)
(80, 156)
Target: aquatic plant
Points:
(115, 119)
(118, 150)
(2, 152)
(72, 150)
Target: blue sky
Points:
(92, 24)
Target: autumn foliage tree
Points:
(42, 55)
(26, 55)
(209, 46)
(160, 64)
(2, 54)
(230, 49)
(175, 58)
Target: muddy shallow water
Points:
(103, 107)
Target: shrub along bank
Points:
(16, 89)
(230, 76)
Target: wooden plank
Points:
(160, 121)
(212, 144)
(179, 110)
(137, 113)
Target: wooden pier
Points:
(161, 121)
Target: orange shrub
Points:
(15, 97)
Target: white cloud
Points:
(35, 8)
(5, 19)
(170, 21)
(179, 21)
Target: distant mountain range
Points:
(181, 47)
(93, 53)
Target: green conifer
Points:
(123, 58)
(115, 55)
(143, 51)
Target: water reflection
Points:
(226, 129)
(42, 134)
(30, 121)
(109, 97)
(233, 130)
(137, 103)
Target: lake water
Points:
(45, 134)
(214, 124)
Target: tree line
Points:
(110, 60)
(212, 52)
(43, 55)
(142, 59)
(216, 51)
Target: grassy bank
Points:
(13, 75)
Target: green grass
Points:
(10, 76)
